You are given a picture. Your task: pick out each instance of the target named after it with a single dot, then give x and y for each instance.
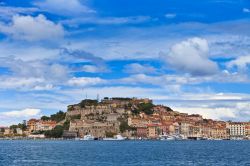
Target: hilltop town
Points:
(132, 118)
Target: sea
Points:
(123, 153)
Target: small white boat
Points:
(116, 138)
(88, 138)
(217, 139)
(167, 138)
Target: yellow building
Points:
(154, 130)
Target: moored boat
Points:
(88, 138)
(167, 138)
(116, 138)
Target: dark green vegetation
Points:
(66, 125)
(20, 125)
(45, 118)
(74, 117)
(88, 102)
(124, 126)
(58, 117)
(169, 109)
(147, 108)
(57, 132)
(121, 98)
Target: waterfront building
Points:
(142, 132)
(219, 133)
(195, 131)
(154, 130)
(7, 131)
(174, 129)
(184, 128)
(237, 130)
(247, 127)
(19, 131)
(43, 125)
(31, 125)
(40, 125)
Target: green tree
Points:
(75, 117)
(147, 108)
(12, 127)
(57, 132)
(88, 102)
(20, 125)
(59, 116)
(14, 131)
(124, 126)
(2, 130)
(45, 118)
(66, 125)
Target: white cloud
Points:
(91, 69)
(33, 28)
(191, 56)
(135, 68)
(28, 112)
(236, 111)
(107, 20)
(246, 10)
(85, 81)
(168, 80)
(223, 41)
(35, 69)
(121, 48)
(209, 113)
(27, 52)
(241, 63)
(229, 45)
(170, 15)
(32, 75)
(14, 117)
(163, 80)
(6, 12)
(27, 84)
(64, 7)
(9, 83)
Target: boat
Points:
(167, 138)
(88, 138)
(116, 138)
(217, 139)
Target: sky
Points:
(191, 55)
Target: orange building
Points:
(42, 125)
(31, 124)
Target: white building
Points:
(19, 131)
(237, 130)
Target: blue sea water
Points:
(124, 153)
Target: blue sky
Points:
(193, 56)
